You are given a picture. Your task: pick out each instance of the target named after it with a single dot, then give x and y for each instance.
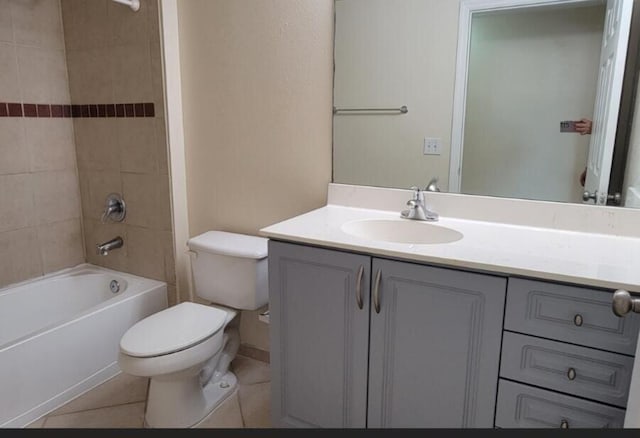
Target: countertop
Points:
(592, 259)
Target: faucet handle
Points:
(417, 194)
(115, 208)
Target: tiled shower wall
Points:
(40, 224)
(114, 57)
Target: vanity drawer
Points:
(589, 373)
(573, 314)
(522, 406)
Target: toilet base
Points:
(208, 399)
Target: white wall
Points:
(631, 187)
(394, 53)
(529, 70)
(256, 95)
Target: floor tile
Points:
(36, 424)
(255, 405)
(119, 390)
(227, 415)
(250, 371)
(123, 416)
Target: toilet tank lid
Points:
(231, 244)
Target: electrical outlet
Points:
(432, 146)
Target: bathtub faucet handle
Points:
(115, 208)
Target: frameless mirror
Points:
(513, 98)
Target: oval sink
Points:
(401, 231)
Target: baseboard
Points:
(253, 353)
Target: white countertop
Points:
(600, 260)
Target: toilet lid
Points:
(173, 329)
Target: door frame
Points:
(467, 9)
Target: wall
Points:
(631, 187)
(256, 84)
(114, 58)
(40, 218)
(529, 70)
(401, 52)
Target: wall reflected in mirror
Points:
(528, 70)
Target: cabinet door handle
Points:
(359, 288)
(376, 292)
(577, 320)
(571, 374)
(564, 424)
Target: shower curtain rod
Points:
(133, 4)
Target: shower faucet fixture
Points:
(115, 209)
(133, 4)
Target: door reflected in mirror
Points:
(498, 100)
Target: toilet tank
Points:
(230, 269)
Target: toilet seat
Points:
(174, 329)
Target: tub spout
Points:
(104, 248)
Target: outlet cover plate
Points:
(432, 146)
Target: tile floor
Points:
(120, 403)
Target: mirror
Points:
(485, 98)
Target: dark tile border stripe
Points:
(102, 110)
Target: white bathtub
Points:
(59, 336)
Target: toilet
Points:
(186, 350)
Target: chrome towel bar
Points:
(402, 110)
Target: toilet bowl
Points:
(186, 350)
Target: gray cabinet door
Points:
(434, 347)
(319, 336)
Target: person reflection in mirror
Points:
(583, 127)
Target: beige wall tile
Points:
(96, 233)
(125, 27)
(50, 143)
(37, 23)
(154, 20)
(90, 75)
(97, 144)
(85, 24)
(148, 200)
(17, 201)
(138, 147)
(43, 75)
(162, 146)
(145, 252)
(19, 256)
(255, 405)
(122, 416)
(56, 196)
(61, 245)
(169, 259)
(9, 83)
(6, 30)
(226, 415)
(131, 73)
(14, 153)
(172, 295)
(157, 78)
(119, 390)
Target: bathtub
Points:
(60, 334)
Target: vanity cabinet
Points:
(361, 341)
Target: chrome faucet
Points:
(417, 208)
(104, 248)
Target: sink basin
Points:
(401, 231)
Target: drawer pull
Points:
(564, 424)
(571, 374)
(577, 320)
